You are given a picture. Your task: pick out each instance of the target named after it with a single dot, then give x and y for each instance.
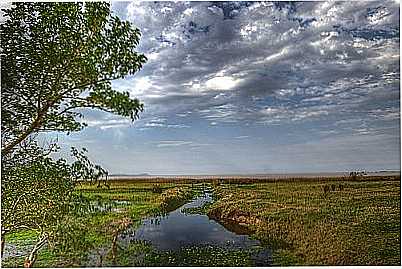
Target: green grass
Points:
(21, 236)
(129, 200)
(319, 223)
(305, 222)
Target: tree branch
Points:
(35, 124)
(30, 260)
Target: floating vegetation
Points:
(143, 254)
(203, 256)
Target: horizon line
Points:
(259, 174)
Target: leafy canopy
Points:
(60, 57)
(35, 188)
(56, 59)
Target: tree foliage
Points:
(60, 57)
(33, 189)
(56, 59)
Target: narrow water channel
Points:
(179, 230)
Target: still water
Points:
(177, 230)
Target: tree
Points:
(57, 58)
(34, 187)
(60, 57)
(37, 191)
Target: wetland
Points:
(221, 223)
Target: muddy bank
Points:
(244, 222)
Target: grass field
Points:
(318, 223)
(305, 222)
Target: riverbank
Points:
(92, 232)
(187, 237)
(318, 222)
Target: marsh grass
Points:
(96, 226)
(306, 222)
(319, 223)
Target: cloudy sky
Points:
(256, 87)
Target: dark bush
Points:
(156, 189)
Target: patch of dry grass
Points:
(319, 223)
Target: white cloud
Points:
(174, 143)
(242, 137)
(142, 85)
(108, 123)
(221, 83)
(188, 12)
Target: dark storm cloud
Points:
(266, 62)
(254, 50)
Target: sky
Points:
(256, 87)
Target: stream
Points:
(175, 234)
(178, 230)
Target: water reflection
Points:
(177, 230)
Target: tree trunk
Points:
(100, 264)
(114, 248)
(30, 260)
(9, 147)
(3, 242)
